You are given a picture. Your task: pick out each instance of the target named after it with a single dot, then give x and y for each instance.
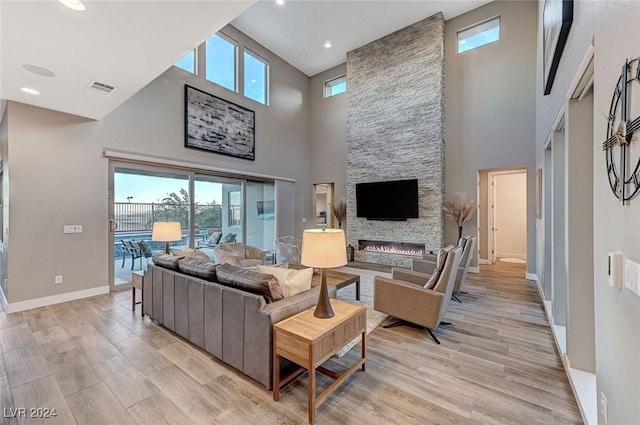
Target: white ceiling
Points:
(125, 44)
(298, 30)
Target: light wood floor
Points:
(96, 362)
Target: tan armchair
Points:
(407, 296)
(239, 254)
(428, 262)
(288, 249)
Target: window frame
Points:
(267, 75)
(477, 24)
(236, 49)
(195, 62)
(326, 88)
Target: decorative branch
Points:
(339, 212)
(459, 211)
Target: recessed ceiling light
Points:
(76, 5)
(279, 2)
(38, 70)
(29, 90)
(327, 44)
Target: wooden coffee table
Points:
(335, 278)
(308, 342)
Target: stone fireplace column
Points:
(395, 131)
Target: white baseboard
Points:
(473, 269)
(3, 299)
(534, 277)
(483, 261)
(55, 299)
(511, 255)
(582, 383)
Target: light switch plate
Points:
(72, 228)
(632, 276)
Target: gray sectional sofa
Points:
(231, 324)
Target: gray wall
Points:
(490, 106)
(328, 135)
(579, 257)
(614, 26)
(558, 235)
(395, 131)
(60, 176)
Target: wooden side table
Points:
(136, 283)
(309, 342)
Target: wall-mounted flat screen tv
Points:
(389, 200)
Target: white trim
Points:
(473, 269)
(3, 299)
(534, 277)
(582, 68)
(483, 261)
(585, 389)
(56, 299)
(162, 160)
(583, 384)
(547, 142)
(501, 254)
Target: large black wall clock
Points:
(621, 150)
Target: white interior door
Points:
(510, 215)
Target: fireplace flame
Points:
(390, 248)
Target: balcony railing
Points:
(139, 217)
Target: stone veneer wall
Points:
(395, 131)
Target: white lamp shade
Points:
(166, 231)
(323, 248)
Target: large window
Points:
(256, 75)
(220, 64)
(335, 86)
(188, 62)
(478, 35)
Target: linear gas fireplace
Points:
(400, 248)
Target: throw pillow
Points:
(431, 283)
(214, 239)
(197, 267)
(189, 252)
(442, 256)
(291, 281)
(146, 250)
(249, 281)
(229, 237)
(167, 261)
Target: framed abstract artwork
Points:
(557, 19)
(217, 125)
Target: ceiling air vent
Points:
(100, 87)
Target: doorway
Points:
(502, 223)
(323, 202)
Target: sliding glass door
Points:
(142, 196)
(260, 215)
(211, 210)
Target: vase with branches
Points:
(459, 212)
(339, 212)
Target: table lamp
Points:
(166, 231)
(322, 249)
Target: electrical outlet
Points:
(603, 408)
(58, 279)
